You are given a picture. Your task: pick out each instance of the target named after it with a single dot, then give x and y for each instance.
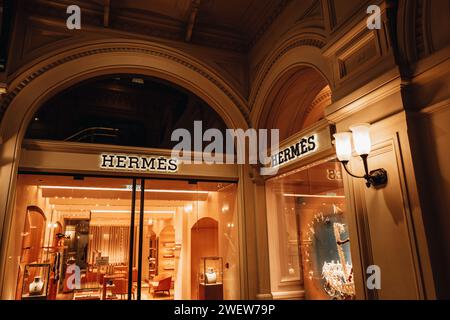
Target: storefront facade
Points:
(100, 208)
(318, 76)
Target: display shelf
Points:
(166, 259)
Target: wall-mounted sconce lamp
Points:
(363, 146)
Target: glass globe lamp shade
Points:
(361, 138)
(343, 143)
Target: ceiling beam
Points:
(106, 13)
(192, 18)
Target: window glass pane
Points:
(185, 221)
(74, 234)
(80, 228)
(313, 244)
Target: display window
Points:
(308, 232)
(96, 238)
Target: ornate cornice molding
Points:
(324, 95)
(13, 92)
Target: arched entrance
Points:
(306, 208)
(50, 76)
(203, 229)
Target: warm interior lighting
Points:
(343, 143)
(312, 195)
(129, 211)
(361, 138)
(122, 189)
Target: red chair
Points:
(162, 284)
(120, 288)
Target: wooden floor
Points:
(145, 294)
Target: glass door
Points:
(184, 222)
(93, 238)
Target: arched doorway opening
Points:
(306, 210)
(122, 109)
(204, 243)
(48, 77)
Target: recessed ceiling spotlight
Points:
(127, 189)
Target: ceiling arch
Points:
(94, 59)
(298, 99)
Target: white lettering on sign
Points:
(140, 163)
(304, 146)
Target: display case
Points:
(166, 252)
(309, 228)
(35, 281)
(211, 278)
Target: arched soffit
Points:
(45, 78)
(205, 223)
(301, 50)
(296, 100)
(37, 210)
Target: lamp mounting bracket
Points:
(376, 178)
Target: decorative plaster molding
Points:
(325, 94)
(318, 43)
(164, 27)
(269, 21)
(420, 36)
(33, 76)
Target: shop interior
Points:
(307, 217)
(79, 241)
